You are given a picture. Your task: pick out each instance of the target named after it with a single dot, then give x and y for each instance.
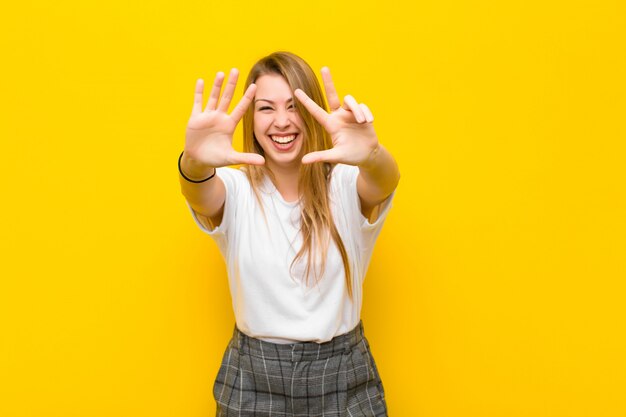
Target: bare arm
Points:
(205, 198)
(354, 143)
(208, 145)
(378, 178)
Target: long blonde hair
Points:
(317, 223)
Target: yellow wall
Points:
(497, 286)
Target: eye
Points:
(264, 108)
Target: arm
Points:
(378, 178)
(208, 145)
(354, 143)
(205, 198)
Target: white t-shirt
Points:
(270, 303)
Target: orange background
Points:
(497, 286)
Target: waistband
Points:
(301, 351)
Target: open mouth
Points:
(283, 139)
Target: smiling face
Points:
(278, 127)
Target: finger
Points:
(349, 103)
(329, 155)
(215, 91)
(229, 90)
(329, 87)
(246, 158)
(369, 117)
(244, 103)
(197, 98)
(316, 111)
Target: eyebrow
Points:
(270, 101)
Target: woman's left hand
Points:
(349, 125)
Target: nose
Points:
(282, 119)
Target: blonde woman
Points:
(296, 226)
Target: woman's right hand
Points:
(209, 136)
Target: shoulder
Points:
(233, 178)
(344, 173)
(236, 174)
(343, 184)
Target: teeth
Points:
(283, 139)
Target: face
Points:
(278, 126)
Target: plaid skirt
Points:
(335, 378)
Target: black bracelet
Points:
(189, 179)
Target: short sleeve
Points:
(345, 182)
(233, 180)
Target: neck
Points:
(286, 180)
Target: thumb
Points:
(329, 155)
(246, 158)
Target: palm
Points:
(350, 127)
(352, 140)
(210, 131)
(209, 137)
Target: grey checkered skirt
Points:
(336, 378)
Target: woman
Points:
(296, 226)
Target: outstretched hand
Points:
(349, 125)
(209, 137)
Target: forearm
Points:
(205, 197)
(379, 174)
